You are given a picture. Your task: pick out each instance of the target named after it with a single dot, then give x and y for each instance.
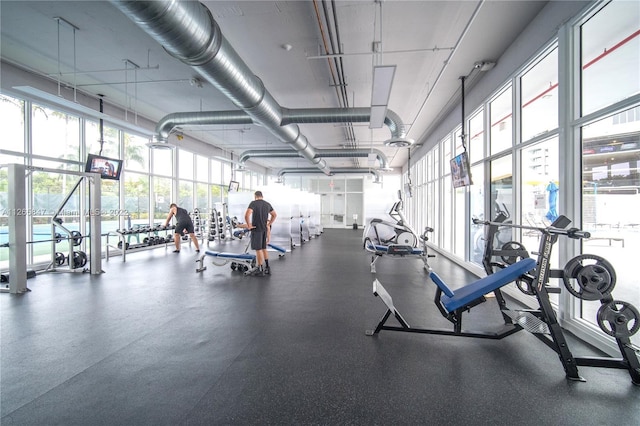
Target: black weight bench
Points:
(453, 303)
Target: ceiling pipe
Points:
(188, 32)
(325, 153)
(289, 116)
(334, 171)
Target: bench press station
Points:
(242, 262)
(620, 323)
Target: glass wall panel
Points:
(202, 196)
(610, 55)
(185, 195)
(459, 225)
(55, 134)
(162, 162)
(539, 87)
(110, 146)
(216, 172)
(163, 197)
(501, 185)
(476, 203)
(136, 153)
(501, 112)
(218, 193)
(202, 168)
(12, 113)
(540, 192)
(110, 206)
(185, 165)
(611, 202)
(447, 214)
(136, 197)
(476, 137)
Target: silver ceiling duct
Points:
(325, 153)
(334, 171)
(188, 32)
(289, 116)
(347, 115)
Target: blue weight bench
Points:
(239, 261)
(452, 303)
(453, 300)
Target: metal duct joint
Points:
(335, 171)
(323, 153)
(188, 31)
(171, 121)
(346, 115)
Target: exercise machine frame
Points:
(541, 322)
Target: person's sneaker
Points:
(257, 272)
(267, 271)
(176, 251)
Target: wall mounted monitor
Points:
(460, 170)
(109, 168)
(234, 186)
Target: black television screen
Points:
(460, 170)
(109, 168)
(234, 186)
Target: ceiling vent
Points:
(399, 142)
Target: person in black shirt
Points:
(184, 224)
(259, 217)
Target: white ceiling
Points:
(426, 80)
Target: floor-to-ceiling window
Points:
(609, 42)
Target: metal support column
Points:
(17, 218)
(95, 224)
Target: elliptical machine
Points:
(396, 240)
(383, 232)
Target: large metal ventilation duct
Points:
(289, 116)
(334, 171)
(188, 32)
(325, 153)
(348, 115)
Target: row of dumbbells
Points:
(148, 241)
(145, 229)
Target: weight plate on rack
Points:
(618, 319)
(76, 236)
(518, 250)
(60, 259)
(589, 277)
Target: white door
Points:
(332, 210)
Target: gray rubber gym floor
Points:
(152, 342)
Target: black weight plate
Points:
(60, 259)
(512, 246)
(618, 319)
(589, 277)
(76, 236)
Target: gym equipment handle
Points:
(574, 233)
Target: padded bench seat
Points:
(405, 250)
(226, 255)
(452, 300)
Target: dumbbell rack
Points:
(218, 226)
(150, 241)
(199, 224)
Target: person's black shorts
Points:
(180, 228)
(258, 240)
